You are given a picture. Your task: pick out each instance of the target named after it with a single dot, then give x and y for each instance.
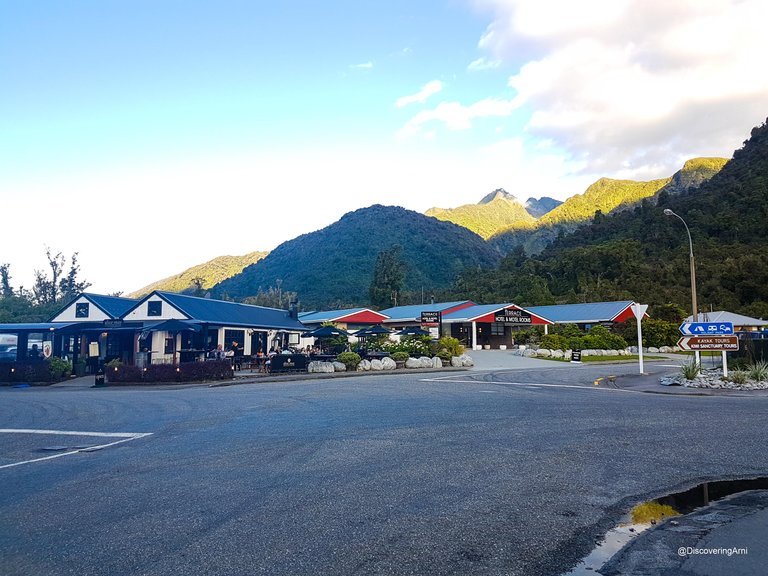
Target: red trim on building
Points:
(362, 317)
(459, 307)
(489, 318)
(626, 314)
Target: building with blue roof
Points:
(587, 314)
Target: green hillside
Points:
(642, 254)
(606, 196)
(497, 211)
(202, 276)
(334, 266)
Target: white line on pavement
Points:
(124, 437)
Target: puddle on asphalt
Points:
(647, 514)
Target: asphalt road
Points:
(504, 474)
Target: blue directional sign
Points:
(706, 328)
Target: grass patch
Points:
(604, 358)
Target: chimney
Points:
(293, 310)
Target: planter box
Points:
(503, 347)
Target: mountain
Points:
(537, 208)
(334, 266)
(606, 195)
(642, 254)
(497, 211)
(202, 276)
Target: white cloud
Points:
(632, 83)
(483, 63)
(364, 66)
(429, 89)
(457, 116)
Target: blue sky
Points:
(135, 128)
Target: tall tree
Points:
(50, 289)
(388, 277)
(6, 291)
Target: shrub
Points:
(738, 377)
(400, 356)
(555, 342)
(690, 370)
(759, 371)
(59, 368)
(413, 345)
(349, 359)
(600, 338)
(451, 345)
(188, 372)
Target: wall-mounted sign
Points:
(113, 323)
(430, 317)
(512, 317)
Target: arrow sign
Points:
(706, 328)
(709, 343)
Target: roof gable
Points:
(100, 308)
(589, 312)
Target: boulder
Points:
(543, 352)
(412, 363)
(425, 361)
(437, 362)
(326, 367)
(529, 353)
(456, 362)
(665, 349)
(558, 354)
(611, 352)
(466, 361)
(365, 365)
(376, 365)
(388, 364)
(633, 349)
(653, 350)
(339, 367)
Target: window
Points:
(154, 308)
(82, 309)
(497, 329)
(170, 345)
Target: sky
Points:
(152, 135)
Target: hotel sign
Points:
(430, 317)
(512, 317)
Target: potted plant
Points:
(400, 358)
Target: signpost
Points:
(698, 336)
(706, 328)
(639, 311)
(709, 343)
(431, 319)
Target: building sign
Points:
(721, 343)
(512, 317)
(113, 323)
(429, 317)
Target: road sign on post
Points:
(709, 343)
(639, 311)
(706, 328)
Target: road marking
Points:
(124, 437)
(535, 385)
(668, 365)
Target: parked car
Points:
(7, 353)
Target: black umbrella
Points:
(326, 332)
(412, 331)
(174, 325)
(376, 330)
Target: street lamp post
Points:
(669, 212)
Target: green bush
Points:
(656, 333)
(450, 345)
(759, 371)
(400, 356)
(349, 359)
(414, 345)
(738, 377)
(600, 338)
(555, 342)
(59, 368)
(690, 370)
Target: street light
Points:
(669, 212)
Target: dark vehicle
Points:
(7, 353)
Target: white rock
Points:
(653, 350)
(456, 362)
(425, 361)
(529, 353)
(558, 354)
(412, 363)
(325, 367)
(388, 364)
(611, 352)
(339, 367)
(665, 349)
(437, 362)
(467, 361)
(365, 365)
(376, 365)
(543, 352)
